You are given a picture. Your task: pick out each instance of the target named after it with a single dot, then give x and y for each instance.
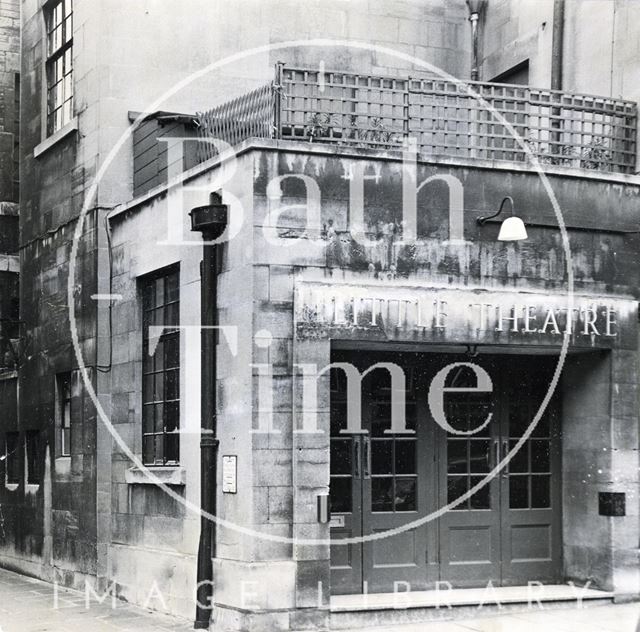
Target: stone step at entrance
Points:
(358, 611)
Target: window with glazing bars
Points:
(161, 368)
(32, 449)
(12, 457)
(63, 421)
(59, 24)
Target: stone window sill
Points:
(56, 137)
(168, 475)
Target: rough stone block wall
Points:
(600, 548)
(9, 99)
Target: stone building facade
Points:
(300, 261)
(272, 283)
(11, 351)
(85, 68)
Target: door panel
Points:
(345, 494)
(530, 486)
(470, 532)
(395, 489)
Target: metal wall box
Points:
(612, 504)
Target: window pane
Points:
(173, 385)
(68, 29)
(156, 317)
(518, 492)
(381, 420)
(12, 457)
(382, 494)
(411, 416)
(171, 351)
(66, 442)
(172, 288)
(159, 293)
(158, 356)
(381, 454)
(405, 499)
(340, 495)
(172, 447)
(158, 417)
(479, 409)
(341, 456)
(63, 413)
(456, 416)
(172, 416)
(520, 460)
(158, 387)
(540, 492)
(479, 455)
(542, 428)
(405, 456)
(172, 316)
(32, 451)
(518, 420)
(147, 449)
(66, 413)
(482, 498)
(540, 461)
(456, 486)
(159, 448)
(456, 456)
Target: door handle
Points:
(367, 457)
(356, 456)
(496, 453)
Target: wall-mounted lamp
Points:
(512, 228)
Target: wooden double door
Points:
(507, 532)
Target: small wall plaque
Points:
(612, 503)
(229, 474)
(336, 521)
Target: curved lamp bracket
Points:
(486, 218)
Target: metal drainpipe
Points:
(475, 9)
(557, 37)
(556, 45)
(211, 221)
(474, 18)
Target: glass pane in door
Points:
(393, 458)
(530, 469)
(468, 456)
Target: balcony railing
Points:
(444, 117)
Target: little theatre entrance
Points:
(507, 532)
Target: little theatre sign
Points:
(399, 312)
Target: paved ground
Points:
(28, 605)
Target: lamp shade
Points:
(512, 229)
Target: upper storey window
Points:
(59, 23)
